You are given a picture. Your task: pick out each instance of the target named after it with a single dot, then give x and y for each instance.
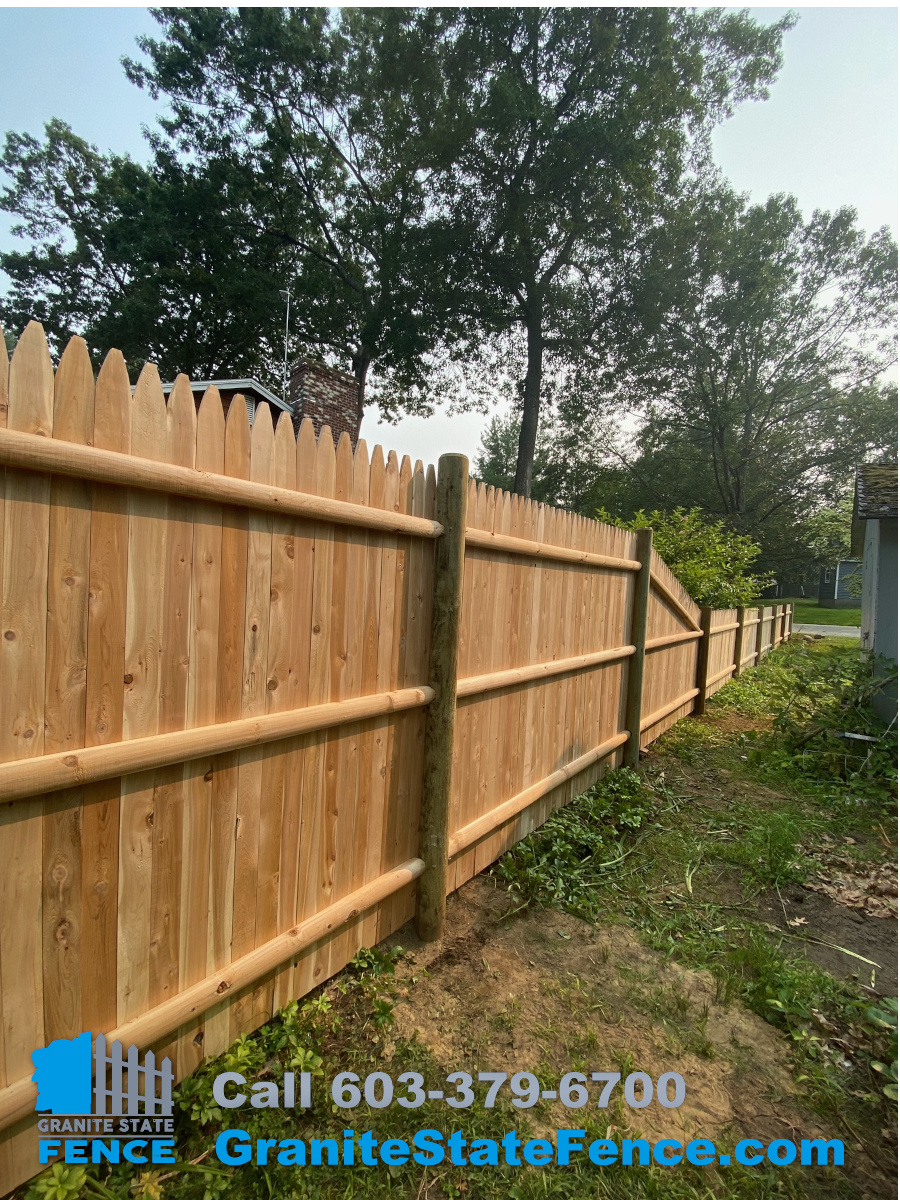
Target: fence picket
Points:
(64, 704)
(23, 656)
(147, 537)
(247, 1007)
(278, 699)
(229, 694)
(206, 571)
(182, 904)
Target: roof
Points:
(876, 492)
(874, 499)
(235, 385)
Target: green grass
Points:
(664, 850)
(688, 879)
(808, 612)
(349, 1033)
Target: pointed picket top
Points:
(31, 384)
(405, 480)
(325, 463)
(237, 439)
(4, 379)
(113, 405)
(392, 483)
(376, 478)
(306, 457)
(361, 473)
(430, 490)
(148, 415)
(262, 445)
(73, 395)
(344, 468)
(285, 474)
(210, 455)
(181, 424)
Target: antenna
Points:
(287, 320)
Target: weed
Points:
(559, 864)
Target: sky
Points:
(827, 134)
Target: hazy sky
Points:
(828, 132)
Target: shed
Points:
(874, 537)
(252, 390)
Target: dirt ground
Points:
(547, 993)
(874, 938)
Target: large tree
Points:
(342, 120)
(160, 261)
(759, 378)
(578, 121)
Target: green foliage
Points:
(559, 863)
(771, 850)
(883, 1019)
(151, 260)
(828, 533)
(827, 730)
(59, 1183)
(711, 561)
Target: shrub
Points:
(712, 562)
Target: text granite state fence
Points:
(214, 697)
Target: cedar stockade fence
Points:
(264, 700)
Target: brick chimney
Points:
(326, 396)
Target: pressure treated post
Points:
(739, 643)
(702, 661)
(449, 553)
(643, 553)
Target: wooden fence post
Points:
(703, 661)
(739, 642)
(640, 604)
(759, 634)
(449, 555)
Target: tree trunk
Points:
(531, 408)
(361, 362)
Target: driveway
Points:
(847, 631)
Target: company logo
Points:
(91, 1091)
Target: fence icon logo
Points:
(69, 1076)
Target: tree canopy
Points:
(159, 262)
(577, 123)
(757, 383)
(424, 179)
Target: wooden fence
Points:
(234, 734)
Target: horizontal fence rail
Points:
(266, 698)
(53, 772)
(33, 453)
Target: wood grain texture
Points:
(206, 580)
(104, 715)
(23, 658)
(143, 639)
(212, 736)
(65, 698)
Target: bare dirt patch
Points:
(548, 993)
(849, 930)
